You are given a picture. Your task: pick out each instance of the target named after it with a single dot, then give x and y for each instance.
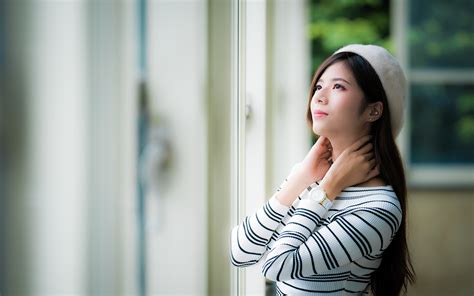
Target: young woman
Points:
(336, 225)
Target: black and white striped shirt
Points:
(311, 250)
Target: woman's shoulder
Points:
(374, 193)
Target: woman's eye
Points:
(338, 86)
(318, 87)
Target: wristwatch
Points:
(319, 195)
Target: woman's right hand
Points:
(315, 164)
(313, 167)
(355, 165)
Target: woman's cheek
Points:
(346, 109)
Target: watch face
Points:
(317, 194)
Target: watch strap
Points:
(326, 202)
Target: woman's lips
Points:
(319, 114)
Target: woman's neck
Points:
(339, 144)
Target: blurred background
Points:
(135, 134)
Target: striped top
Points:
(311, 250)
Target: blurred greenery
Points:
(441, 34)
(442, 124)
(465, 124)
(336, 23)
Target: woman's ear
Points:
(374, 111)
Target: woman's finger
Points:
(369, 155)
(372, 163)
(359, 143)
(366, 148)
(321, 140)
(319, 144)
(373, 173)
(326, 155)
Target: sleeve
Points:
(301, 250)
(249, 239)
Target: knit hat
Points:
(390, 74)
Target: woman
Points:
(337, 223)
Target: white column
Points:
(177, 55)
(57, 146)
(111, 133)
(74, 169)
(290, 87)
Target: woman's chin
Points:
(317, 130)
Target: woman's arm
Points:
(249, 239)
(300, 251)
(356, 164)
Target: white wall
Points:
(177, 250)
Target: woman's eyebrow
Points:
(341, 79)
(336, 79)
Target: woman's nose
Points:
(322, 100)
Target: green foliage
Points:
(334, 24)
(441, 34)
(442, 118)
(465, 125)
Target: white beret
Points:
(390, 74)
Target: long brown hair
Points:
(396, 270)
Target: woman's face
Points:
(336, 103)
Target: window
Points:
(440, 70)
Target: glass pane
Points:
(441, 34)
(442, 124)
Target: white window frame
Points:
(249, 111)
(269, 95)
